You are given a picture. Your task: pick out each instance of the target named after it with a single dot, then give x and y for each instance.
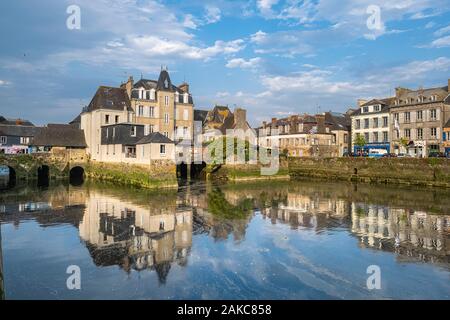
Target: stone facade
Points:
(418, 117)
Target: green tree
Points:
(360, 141)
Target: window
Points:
(375, 122)
(365, 109)
(407, 117)
(162, 149)
(107, 132)
(166, 118)
(420, 134)
(186, 114)
(376, 108)
(107, 118)
(366, 137)
(407, 133)
(166, 100)
(366, 123)
(151, 128)
(117, 119)
(433, 114)
(141, 111)
(152, 94)
(433, 132)
(385, 136)
(133, 131)
(3, 140)
(166, 134)
(396, 117)
(358, 124)
(186, 98)
(24, 140)
(385, 122)
(419, 115)
(151, 112)
(375, 137)
(345, 138)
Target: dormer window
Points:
(376, 107)
(133, 131)
(166, 84)
(152, 94)
(365, 109)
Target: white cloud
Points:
(244, 64)
(442, 31)
(441, 42)
(222, 94)
(213, 15)
(4, 83)
(189, 22)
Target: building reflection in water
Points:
(412, 234)
(134, 236)
(139, 231)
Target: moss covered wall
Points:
(244, 172)
(156, 175)
(427, 172)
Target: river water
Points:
(284, 240)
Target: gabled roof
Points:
(374, 102)
(154, 137)
(109, 98)
(60, 135)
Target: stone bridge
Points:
(59, 163)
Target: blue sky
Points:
(271, 57)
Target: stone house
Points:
(16, 135)
(419, 117)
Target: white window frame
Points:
(3, 139)
(166, 118)
(166, 100)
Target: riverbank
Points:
(246, 172)
(422, 172)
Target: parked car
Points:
(377, 153)
(403, 155)
(436, 155)
(389, 155)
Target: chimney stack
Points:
(184, 87)
(240, 118)
(320, 119)
(360, 102)
(128, 86)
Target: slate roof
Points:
(405, 95)
(154, 137)
(109, 98)
(60, 135)
(200, 115)
(15, 122)
(338, 121)
(19, 131)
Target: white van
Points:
(377, 153)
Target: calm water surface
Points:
(296, 240)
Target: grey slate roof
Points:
(154, 137)
(109, 98)
(60, 135)
(19, 131)
(200, 115)
(15, 122)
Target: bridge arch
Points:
(76, 175)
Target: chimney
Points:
(274, 120)
(240, 118)
(129, 86)
(399, 91)
(320, 119)
(184, 87)
(360, 102)
(264, 124)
